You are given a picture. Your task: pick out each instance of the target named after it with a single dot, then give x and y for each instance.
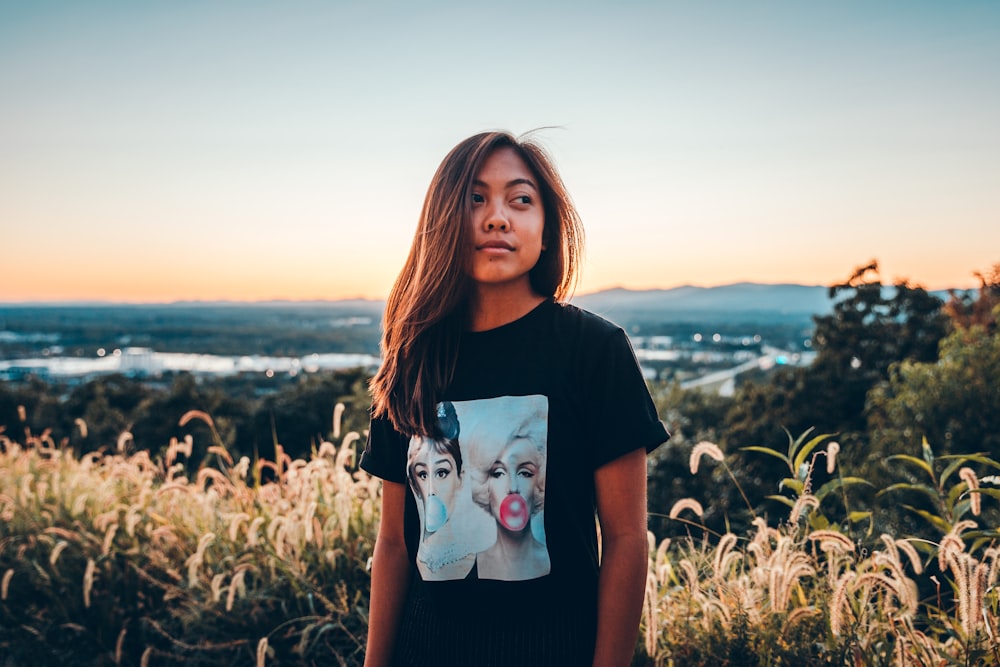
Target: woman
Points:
(476, 317)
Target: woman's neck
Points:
(494, 306)
(513, 544)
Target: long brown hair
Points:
(426, 311)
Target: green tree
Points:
(953, 402)
(950, 403)
(871, 327)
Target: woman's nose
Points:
(496, 219)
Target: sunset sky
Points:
(161, 151)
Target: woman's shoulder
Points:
(587, 322)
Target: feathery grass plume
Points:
(262, 652)
(198, 558)
(216, 586)
(804, 502)
(968, 475)
(992, 554)
(895, 580)
(906, 547)
(650, 602)
(952, 542)
(124, 438)
(664, 568)
(187, 446)
(832, 450)
(686, 504)
(963, 568)
(241, 469)
(839, 604)
(133, 517)
(253, 535)
(832, 541)
(56, 551)
(5, 583)
(88, 582)
(338, 414)
(723, 551)
(326, 448)
(109, 538)
(196, 414)
(235, 522)
(237, 585)
(118, 646)
(219, 482)
(708, 449)
(222, 453)
(81, 427)
(839, 553)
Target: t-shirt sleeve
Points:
(620, 407)
(385, 452)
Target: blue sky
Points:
(175, 150)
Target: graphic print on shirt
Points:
(480, 490)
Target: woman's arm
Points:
(390, 577)
(621, 508)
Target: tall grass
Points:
(805, 593)
(118, 558)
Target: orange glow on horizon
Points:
(123, 284)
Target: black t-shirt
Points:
(500, 521)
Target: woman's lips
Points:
(495, 246)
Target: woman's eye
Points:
(477, 198)
(421, 475)
(522, 199)
(496, 473)
(442, 473)
(525, 473)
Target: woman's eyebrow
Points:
(510, 184)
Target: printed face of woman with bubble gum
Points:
(435, 475)
(513, 484)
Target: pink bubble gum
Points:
(514, 512)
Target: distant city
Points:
(144, 362)
(697, 337)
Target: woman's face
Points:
(436, 476)
(512, 484)
(508, 217)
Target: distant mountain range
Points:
(740, 298)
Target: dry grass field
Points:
(118, 558)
